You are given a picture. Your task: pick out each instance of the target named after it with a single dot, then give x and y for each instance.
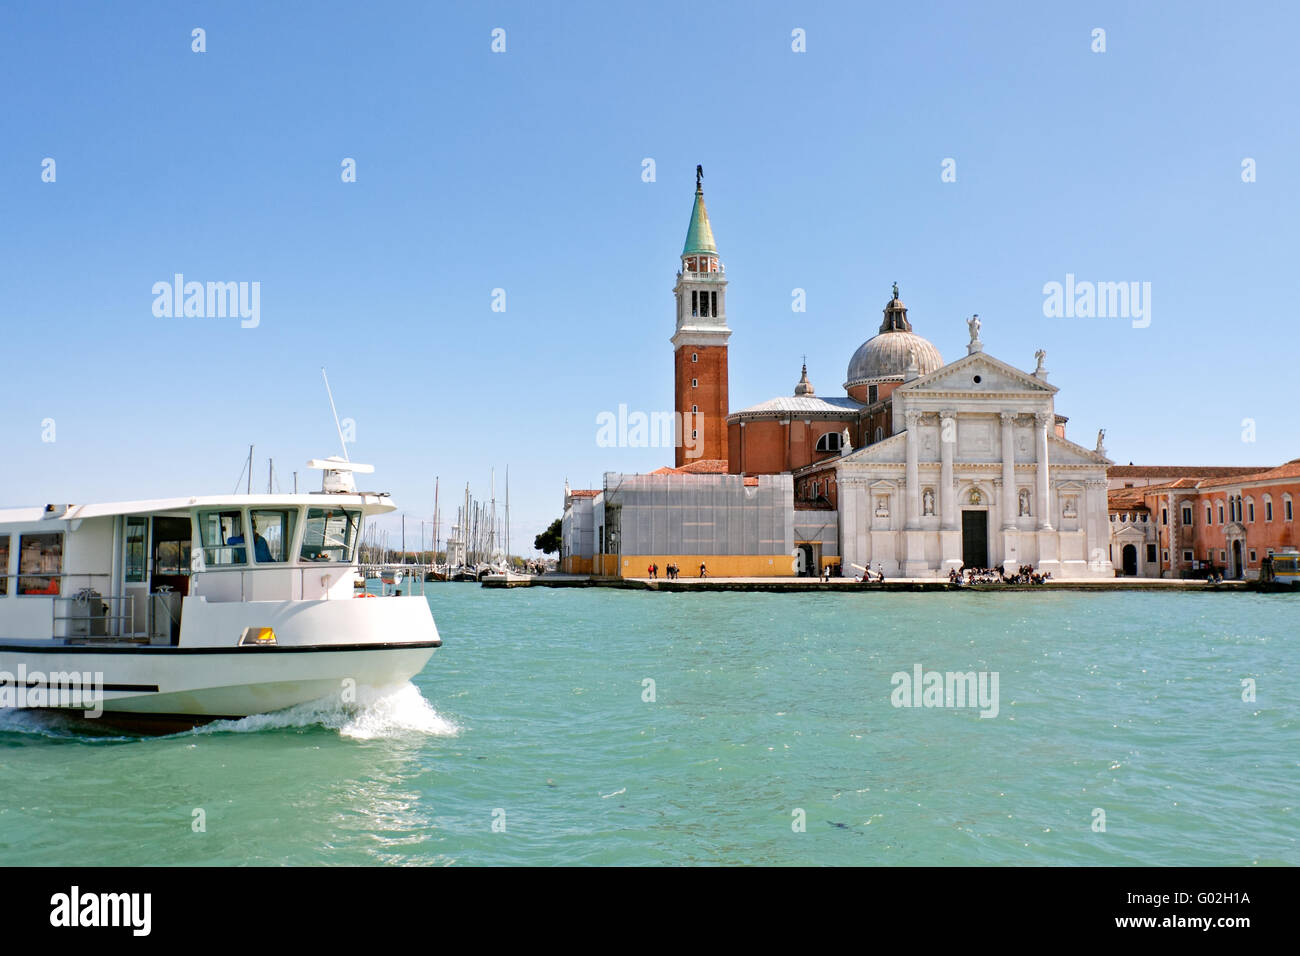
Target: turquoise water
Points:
(532, 715)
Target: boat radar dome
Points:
(337, 477)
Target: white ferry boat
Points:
(200, 608)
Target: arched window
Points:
(1250, 510)
(1287, 514)
(1187, 514)
(829, 442)
(880, 433)
(1220, 512)
(1268, 508)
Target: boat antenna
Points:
(335, 413)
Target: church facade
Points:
(919, 468)
(977, 474)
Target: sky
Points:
(500, 271)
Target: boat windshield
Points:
(222, 531)
(330, 534)
(272, 532)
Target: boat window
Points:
(4, 564)
(221, 530)
(135, 538)
(40, 563)
(330, 534)
(171, 546)
(272, 532)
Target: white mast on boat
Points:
(343, 444)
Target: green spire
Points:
(699, 237)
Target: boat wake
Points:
(379, 713)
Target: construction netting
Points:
(700, 514)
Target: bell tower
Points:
(700, 342)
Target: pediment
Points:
(892, 449)
(1129, 531)
(1062, 452)
(995, 377)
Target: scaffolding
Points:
(697, 514)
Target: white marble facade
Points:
(975, 455)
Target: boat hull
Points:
(210, 683)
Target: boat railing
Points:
(88, 614)
(412, 582)
(296, 575)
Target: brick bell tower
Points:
(700, 342)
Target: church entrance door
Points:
(975, 539)
(1130, 560)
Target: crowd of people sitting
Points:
(1025, 574)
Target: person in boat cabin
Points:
(261, 550)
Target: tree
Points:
(549, 540)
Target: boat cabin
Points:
(121, 572)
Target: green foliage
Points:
(548, 542)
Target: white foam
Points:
(379, 712)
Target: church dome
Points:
(887, 355)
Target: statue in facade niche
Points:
(1024, 502)
(1070, 511)
(882, 506)
(928, 501)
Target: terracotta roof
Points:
(751, 481)
(1177, 471)
(1127, 499)
(1180, 484)
(705, 466)
(583, 492)
(1290, 470)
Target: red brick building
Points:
(1229, 523)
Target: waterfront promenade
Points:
(793, 584)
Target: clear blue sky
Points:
(522, 171)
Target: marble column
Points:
(1009, 499)
(947, 494)
(1042, 422)
(913, 420)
